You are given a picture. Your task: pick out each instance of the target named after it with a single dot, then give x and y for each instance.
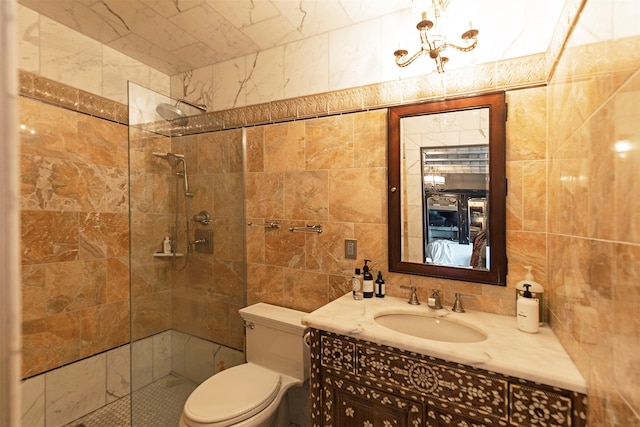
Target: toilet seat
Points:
(221, 400)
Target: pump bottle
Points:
(527, 308)
(367, 281)
(166, 245)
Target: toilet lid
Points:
(234, 394)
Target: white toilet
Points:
(251, 394)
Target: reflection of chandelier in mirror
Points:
(433, 44)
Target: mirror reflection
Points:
(444, 204)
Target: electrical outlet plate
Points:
(350, 248)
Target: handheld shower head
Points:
(174, 160)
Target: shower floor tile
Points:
(157, 405)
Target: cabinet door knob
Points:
(394, 189)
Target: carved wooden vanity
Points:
(360, 383)
(364, 374)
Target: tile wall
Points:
(75, 244)
(594, 238)
(333, 171)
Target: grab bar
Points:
(272, 224)
(308, 229)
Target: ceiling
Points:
(174, 36)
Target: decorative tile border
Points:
(520, 72)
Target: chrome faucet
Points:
(434, 300)
(413, 299)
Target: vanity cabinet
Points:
(359, 383)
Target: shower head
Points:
(174, 114)
(173, 159)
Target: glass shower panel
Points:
(185, 325)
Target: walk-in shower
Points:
(175, 160)
(176, 115)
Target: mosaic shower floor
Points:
(157, 405)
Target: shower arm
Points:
(200, 107)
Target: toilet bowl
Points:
(252, 394)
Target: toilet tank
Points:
(275, 339)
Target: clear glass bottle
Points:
(356, 284)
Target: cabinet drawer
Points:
(338, 354)
(532, 407)
(472, 392)
(352, 404)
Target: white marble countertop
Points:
(507, 350)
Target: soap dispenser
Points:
(536, 290)
(367, 281)
(527, 316)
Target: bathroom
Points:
(558, 154)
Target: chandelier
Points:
(433, 44)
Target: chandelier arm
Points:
(462, 48)
(399, 59)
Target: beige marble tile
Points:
(49, 343)
(535, 198)
(103, 235)
(34, 297)
(284, 147)
(357, 195)
(264, 194)
(73, 285)
(150, 314)
(100, 142)
(526, 126)
(117, 279)
(514, 200)
(329, 143)
(104, 327)
(255, 149)
(265, 283)
(58, 243)
(306, 195)
(305, 291)
(326, 252)
(370, 139)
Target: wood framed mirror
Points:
(447, 189)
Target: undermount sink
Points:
(432, 328)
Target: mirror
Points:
(447, 189)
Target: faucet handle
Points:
(457, 304)
(413, 299)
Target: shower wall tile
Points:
(75, 244)
(141, 363)
(161, 355)
(33, 401)
(75, 390)
(118, 365)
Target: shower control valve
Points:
(203, 218)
